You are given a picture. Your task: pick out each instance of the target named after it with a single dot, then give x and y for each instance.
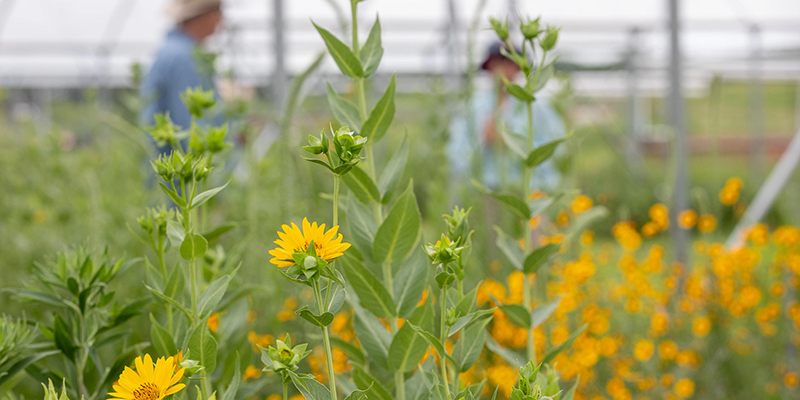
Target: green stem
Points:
(336, 182)
(443, 334)
(526, 185)
(160, 254)
(326, 341)
(354, 18)
(400, 385)
(285, 391)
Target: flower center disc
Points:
(148, 391)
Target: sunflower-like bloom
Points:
(292, 240)
(149, 382)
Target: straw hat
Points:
(182, 10)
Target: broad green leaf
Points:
(510, 248)
(517, 314)
(400, 231)
(463, 321)
(233, 387)
(370, 55)
(543, 152)
(194, 246)
(344, 57)
(203, 347)
(541, 313)
(538, 257)
(362, 226)
(563, 346)
(359, 394)
(394, 171)
(512, 202)
(418, 387)
(211, 297)
(470, 345)
(470, 301)
(518, 91)
(319, 320)
(172, 196)
(63, 337)
(408, 346)
(365, 381)
(370, 290)
(161, 338)
(214, 234)
(381, 115)
(517, 142)
(409, 283)
(309, 387)
(344, 111)
(354, 353)
(543, 76)
(362, 186)
(176, 284)
(170, 300)
(175, 233)
(202, 198)
(511, 357)
(570, 394)
(432, 340)
(372, 334)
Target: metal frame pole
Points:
(279, 74)
(675, 111)
(755, 103)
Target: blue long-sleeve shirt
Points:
(174, 70)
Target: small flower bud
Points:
(530, 29)
(500, 27)
(550, 39)
(198, 101)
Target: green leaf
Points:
(381, 115)
(570, 394)
(362, 226)
(409, 283)
(344, 57)
(563, 346)
(170, 300)
(541, 313)
(37, 297)
(359, 394)
(372, 334)
(212, 296)
(202, 198)
(161, 338)
(203, 347)
(309, 387)
(400, 231)
(365, 381)
(194, 246)
(176, 284)
(362, 186)
(518, 91)
(175, 233)
(469, 346)
(538, 257)
(517, 314)
(172, 195)
(538, 206)
(432, 340)
(408, 346)
(344, 111)
(214, 234)
(233, 387)
(394, 171)
(24, 363)
(319, 320)
(418, 387)
(512, 202)
(543, 152)
(587, 218)
(354, 353)
(463, 321)
(517, 142)
(370, 55)
(370, 290)
(510, 248)
(511, 357)
(63, 337)
(543, 76)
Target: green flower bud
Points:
(145, 223)
(163, 132)
(283, 357)
(216, 139)
(317, 145)
(550, 39)
(192, 367)
(530, 28)
(500, 27)
(310, 262)
(444, 251)
(457, 225)
(198, 101)
(536, 393)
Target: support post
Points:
(755, 104)
(633, 108)
(675, 114)
(279, 73)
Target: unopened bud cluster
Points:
(283, 357)
(179, 166)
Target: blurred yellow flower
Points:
(758, 234)
(684, 388)
(706, 223)
(650, 229)
(493, 288)
(562, 219)
(581, 204)
(625, 233)
(791, 380)
(786, 236)
(701, 326)
(503, 376)
(687, 219)
(292, 240)
(730, 192)
(251, 372)
(667, 350)
(644, 350)
(213, 322)
(659, 213)
(587, 238)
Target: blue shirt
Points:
(499, 164)
(175, 69)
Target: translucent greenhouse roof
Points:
(57, 43)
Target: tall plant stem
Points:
(336, 181)
(526, 185)
(285, 391)
(443, 338)
(160, 254)
(326, 340)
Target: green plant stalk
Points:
(443, 338)
(526, 185)
(285, 390)
(160, 254)
(326, 340)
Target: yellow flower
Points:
(730, 193)
(701, 326)
(684, 388)
(251, 372)
(581, 204)
(650, 229)
(786, 236)
(791, 380)
(587, 238)
(687, 219)
(504, 376)
(213, 322)
(149, 382)
(668, 350)
(293, 240)
(660, 215)
(706, 223)
(644, 350)
(758, 234)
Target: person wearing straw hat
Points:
(179, 63)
